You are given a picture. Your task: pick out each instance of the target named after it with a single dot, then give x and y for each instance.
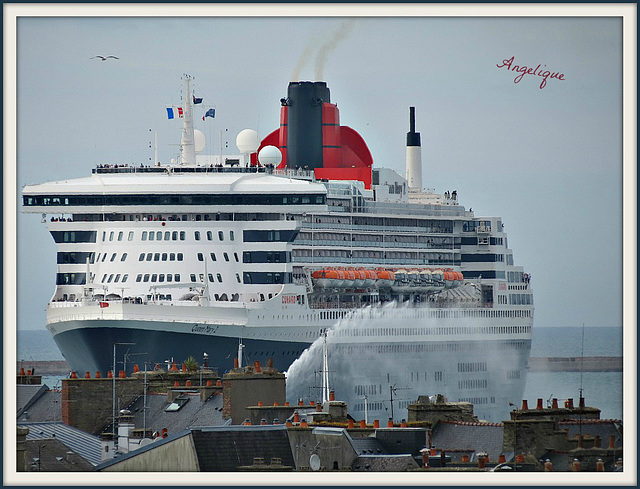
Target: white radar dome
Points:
(247, 141)
(270, 155)
(200, 140)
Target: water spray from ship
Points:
(367, 358)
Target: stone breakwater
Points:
(575, 364)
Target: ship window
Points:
(172, 256)
(104, 278)
(124, 257)
(200, 257)
(176, 277)
(196, 235)
(111, 234)
(238, 278)
(110, 278)
(113, 257)
(144, 235)
(231, 235)
(130, 235)
(146, 277)
(174, 235)
(120, 235)
(180, 256)
(149, 255)
(104, 256)
(125, 277)
(193, 277)
(161, 277)
(154, 277)
(152, 236)
(183, 235)
(219, 277)
(185, 217)
(117, 279)
(104, 235)
(211, 277)
(209, 235)
(213, 256)
(167, 235)
(158, 235)
(226, 256)
(164, 257)
(139, 278)
(156, 257)
(169, 277)
(235, 255)
(220, 235)
(201, 276)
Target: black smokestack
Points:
(304, 123)
(413, 137)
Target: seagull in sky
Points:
(104, 58)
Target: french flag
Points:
(174, 112)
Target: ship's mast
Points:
(187, 144)
(325, 370)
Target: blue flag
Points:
(210, 113)
(197, 100)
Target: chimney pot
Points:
(539, 406)
(87, 375)
(122, 374)
(257, 366)
(98, 375)
(525, 405)
(21, 371)
(332, 396)
(548, 466)
(465, 458)
(187, 383)
(390, 423)
(501, 458)
(235, 363)
(612, 441)
(109, 374)
(376, 423)
(363, 423)
(554, 403)
(350, 424)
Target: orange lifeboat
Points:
(449, 278)
(328, 277)
(370, 278)
(384, 278)
(349, 278)
(360, 278)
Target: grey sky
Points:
(548, 161)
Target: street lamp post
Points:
(515, 434)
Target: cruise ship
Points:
(251, 257)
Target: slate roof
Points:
(368, 446)
(37, 403)
(50, 455)
(604, 428)
(89, 447)
(454, 436)
(224, 449)
(384, 463)
(194, 413)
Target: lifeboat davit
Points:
(384, 279)
(328, 278)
